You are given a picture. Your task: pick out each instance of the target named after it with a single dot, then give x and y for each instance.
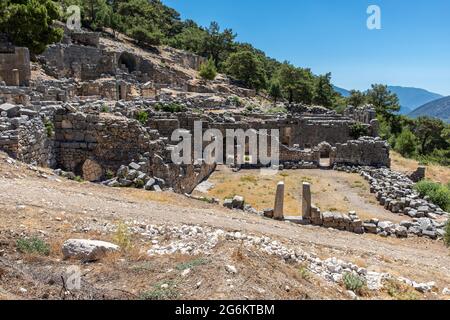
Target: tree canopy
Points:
(246, 67)
(385, 102)
(356, 98)
(29, 23)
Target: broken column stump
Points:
(278, 213)
(15, 77)
(306, 201)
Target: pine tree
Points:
(208, 70)
(323, 91)
(275, 91)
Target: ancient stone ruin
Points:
(84, 119)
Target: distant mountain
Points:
(439, 108)
(342, 91)
(410, 98)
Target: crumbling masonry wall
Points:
(15, 66)
(365, 151)
(26, 139)
(110, 141)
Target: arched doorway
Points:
(128, 60)
(325, 150)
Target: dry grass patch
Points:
(400, 291)
(331, 190)
(435, 173)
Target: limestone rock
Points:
(231, 269)
(87, 250)
(10, 109)
(238, 202)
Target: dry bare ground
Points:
(331, 191)
(36, 203)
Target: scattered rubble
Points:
(195, 240)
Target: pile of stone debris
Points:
(238, 203)
(396, 193)
(134, 175)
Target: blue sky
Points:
(411, 49)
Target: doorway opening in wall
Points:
(325, 161)
(325, 154)
(128, 60)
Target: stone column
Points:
(15, 77)
(123, 90)
(306, 201)
(278, 213)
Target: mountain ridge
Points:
(439, 108)
(410, 98)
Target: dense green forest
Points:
(150, 22)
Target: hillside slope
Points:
(439, 108)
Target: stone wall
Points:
(288, 154)
(15, 95)
(77, 61)
(86, 38)
(365, 151)
(310, 131)
(363, 114)
(111, 141)
(23, 135)
(15, 67)
(186, 59)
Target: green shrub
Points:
(144, 36)
(105, 109)
(191, 264)
(358, 130)
(426, 187)
(438, 156)
(400, 291)
(208, 70)
(138, 183)
(354, 282)
(109, 174)
(49, 128)
(406, 143)
(142, 117)
(276, 110)
(122, 236)
(235, 101)
(172, 107)
(304, 273)
(33, 245)
(439, 194)
(161, 291)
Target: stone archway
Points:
(129, 61)
(327, 154)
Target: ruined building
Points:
(82, 116)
